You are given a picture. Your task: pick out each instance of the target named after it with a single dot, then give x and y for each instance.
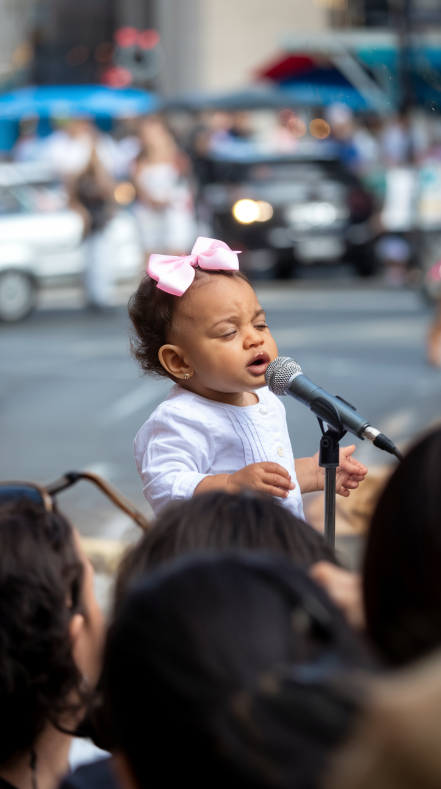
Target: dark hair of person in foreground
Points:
(209, 523)
(402, 568)
(226, 671)
(40, 571)
(221, 521)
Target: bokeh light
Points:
(246, 211)
(148, 39)
(265, 211)
(285, 116)
(22, 55)
(117, 77)
(104, 52)
(296, 126)
(124, 193)
(126, 36)
(77, 56)
(319, 128)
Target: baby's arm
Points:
(350, 473)
(174, 454)
(264, 477)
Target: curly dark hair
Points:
(151, 312)
(41, 579)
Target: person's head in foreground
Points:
(202, 327)
(224, 671)
(51, 638)
(222, 521)
(402, 589)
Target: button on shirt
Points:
(189, 437)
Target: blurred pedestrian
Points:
(341, 120)
(394, 252)
(204, 167)
(28, 146)
(92, 195)
(241, 126)
(164, 207)
(396, 141)
(68, 150)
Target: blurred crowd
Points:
(238, 651)
(159, 166)
(139, 165)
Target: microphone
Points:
(285, 377)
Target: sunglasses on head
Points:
(44, 496)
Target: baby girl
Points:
(198, 322)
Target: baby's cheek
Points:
(272, 347)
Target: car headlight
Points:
(314, 214)
(248, 211)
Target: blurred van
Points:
(41, 239)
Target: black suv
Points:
(284, 212)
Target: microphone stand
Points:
(329, 459)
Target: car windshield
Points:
(287, 172)
(304, 172)
(44, 198)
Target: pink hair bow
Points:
(175, 274)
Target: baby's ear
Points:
(172, 360)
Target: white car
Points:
(41, 238)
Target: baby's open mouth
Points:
(258, 365)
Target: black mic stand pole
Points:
(329, 459)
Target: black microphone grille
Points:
(279, 373)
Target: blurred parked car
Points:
(41, 239)
(286, 212)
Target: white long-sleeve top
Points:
(189, 437)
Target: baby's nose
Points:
(255, 338)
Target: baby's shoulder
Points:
(178, 409)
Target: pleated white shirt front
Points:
(189, 437)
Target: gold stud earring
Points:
(187, 376)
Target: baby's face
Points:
(222, 331)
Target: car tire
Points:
(17, 295)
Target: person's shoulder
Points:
(94, 775)
(182, 401)
(180, 406)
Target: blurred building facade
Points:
(207, 44)
(16, 19)
(212, 45)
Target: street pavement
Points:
(71, 396)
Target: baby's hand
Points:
(265, 477)
(349, 473)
